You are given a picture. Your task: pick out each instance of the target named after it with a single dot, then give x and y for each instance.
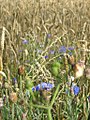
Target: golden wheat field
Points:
(44, 59)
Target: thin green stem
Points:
(33, 96)
(54, 96)
(21, 83)
(49, 114)
(39, 106)
(12, 111)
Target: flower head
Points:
(43, 86)
(52, 52)
(88, 98)
(62, 49)
(70, 48)
(33, 88)
(13, 97)
(21, 70)
(49, 86)
(14, 80)
(76, 90)
(46, 57)
(48, 35)
(25, 41)
(37, 87)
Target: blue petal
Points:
(48, 35)
(43, 85)
(14, 80)
(38, 87)
(62, 49)
(46, 57)
(52, 52)
(50, 86)
(70, 48)
(89, 98)
(33, 88)
(25, 41)
(76, 90)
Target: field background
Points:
(39, 17)
(65, 22)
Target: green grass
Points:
(46, 26)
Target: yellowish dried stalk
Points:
(83, 49)
(2, 40)
(1, 66)
(1, 50)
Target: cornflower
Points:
(43, 86)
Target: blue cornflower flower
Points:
(52, 52)
(25, 41)
(62, 49)
(46, 57)
(38, 87)
(76, 90)
(14, 80)
(48, 35)
(88, 98)
(43, 86)
(70, 48)
(49, 86)
(33, 88)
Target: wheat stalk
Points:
(1, 50)
(4, 31)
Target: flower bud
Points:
(13, 97)
(21, 70)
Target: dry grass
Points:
(22, 18)
(41, 17)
